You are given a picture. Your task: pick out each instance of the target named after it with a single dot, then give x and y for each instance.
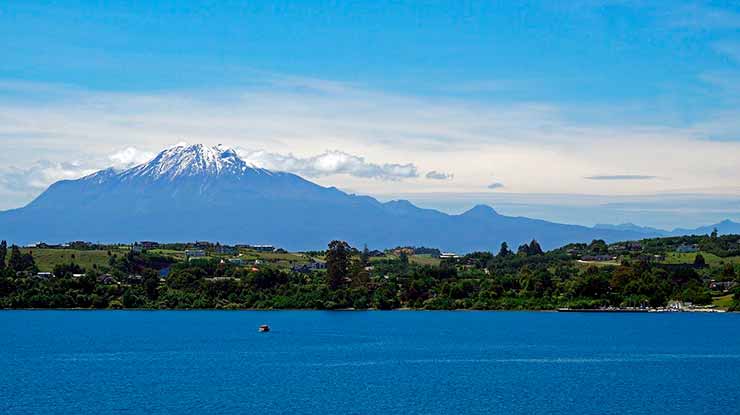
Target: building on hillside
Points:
(311, 266)
(107, 279)
(216, 279)
(449, 255)
(195, 253)
(633, 246)
(262, 248)
(149, 244)
(405, 250)
(237, 261)
(44, 275)
(617, 248)
(687, 249)
(134, 279)
(598, 258)
(652, 258)
(723, 286)
(137, 248)
(79, 245)
(226, 250)
(44, 245)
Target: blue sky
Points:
(613, 98)
(586, 51)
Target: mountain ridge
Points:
(209, 193)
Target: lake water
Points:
(210, 362)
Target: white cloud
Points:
(620, 177)
(129, 156)
(439, 175)
(26, 182)
(535, 147)
(330, 163)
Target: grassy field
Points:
(416, 259)
(723, 302)
(274, 256)
(171, 253)
(46, 259)
(588, 264)
(283, 260)
(424, 260)
(688, 258)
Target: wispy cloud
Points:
(730, 49)
(380, 142)
(28, 180)
(129, 156)
(439, 175)
(330, 163)
(40, 174)
(621, 177)
(702, 16)
(494, 186)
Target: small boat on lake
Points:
(264, 328)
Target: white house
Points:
(195, 253)
(687, 249)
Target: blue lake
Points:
(210, 362)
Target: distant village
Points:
(712, 261)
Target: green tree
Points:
(535, 248)
(598, 247)
(16, 262)
(365, 257)
(403, 258)
(728, 272)
(151, 284)
(337, 263)
(699, 261)
(3, 253)
(360, 276)
(130, 299)
(67, 270)
(504, 251)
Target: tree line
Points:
(528, 279)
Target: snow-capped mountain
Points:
(197, 192)
(190, 161)
(183, 161)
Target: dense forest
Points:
(527, 278)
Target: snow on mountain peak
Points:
(184, 160)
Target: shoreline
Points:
(558, 310)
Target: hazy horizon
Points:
(665, 211)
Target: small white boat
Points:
(264, 328)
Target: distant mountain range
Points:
(724, 227)
(189, 193)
